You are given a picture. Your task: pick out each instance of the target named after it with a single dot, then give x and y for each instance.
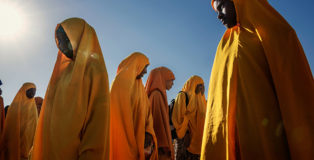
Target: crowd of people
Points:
(260, 101)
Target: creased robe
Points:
(260, 99)
(156, 90)
(190, 118)
(19, 128)
(74, 118)
(130, 114)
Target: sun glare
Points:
(12, 20)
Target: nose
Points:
(220, 15)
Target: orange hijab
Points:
(288, 88)
(74, 118)
(20, 125)
(156, 81)
(190, 117)
(130, 115)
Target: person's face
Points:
(226, 12)
(30, 93)
(200, 89)
(169, 84)
(144, 71)
(0, 91)
(64, 43)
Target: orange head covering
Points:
(291, 84)
(130, 115)
(157, 81)
(190, 117)
(20, 125)
(74, 119)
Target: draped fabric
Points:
(261, 90)
(130, 114)
(20, 124)
(156, 90)
(74, 119)
(190, 118)
(39, 102)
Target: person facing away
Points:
(39, 102)
(132, 135)
(20, 125)
(74, 119)
(188, 118)
(260, 99)
(159, 80)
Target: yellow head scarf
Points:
(20, 125)
(274, 51)
(190, 117)
(74, 119)
(130, 115)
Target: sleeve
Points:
(179, 119)
(95, 133)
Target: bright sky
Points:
(179, 34)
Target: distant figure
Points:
(188, 118)
(261, 92)
(6, 110)
(74, 118)
(39, 102)
(132, 135)
(20, 124)
(2, 111)
(159, 80)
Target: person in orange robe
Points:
(132, 135)
(159, 80)
(260, 99)
(20, 124)
(74, 118)
(39, 102)
(188, 118)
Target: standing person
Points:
(39, 102)
(74, 119)
(188, 118)
(159, 80)
(2, 111)
(132, 135)
(20, 125)
(260, 99)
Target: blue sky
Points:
(179, 34)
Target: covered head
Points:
(20, 125)
(158, 79)
(39, 102)
(77, 98)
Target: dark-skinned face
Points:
(64, 43)
(30, 93)
(200, 89)
(0, 92)
(144, 71)
(226, 12)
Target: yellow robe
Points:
(19, 129)
(156, 90)
(74, 119)
(130, 113)
(260, 99)
(190, 118)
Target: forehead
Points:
(216, 3)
